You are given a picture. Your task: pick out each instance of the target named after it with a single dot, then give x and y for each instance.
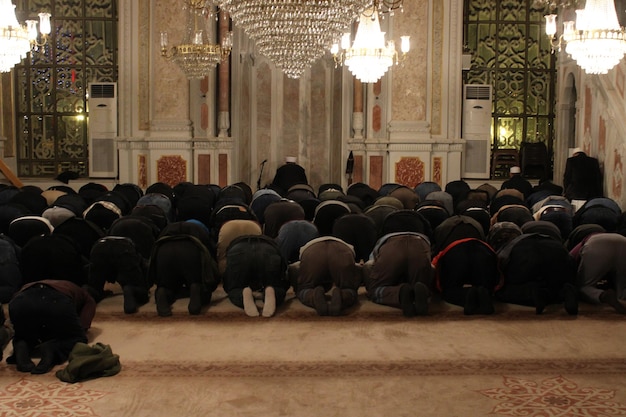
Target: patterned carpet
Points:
(370, 362)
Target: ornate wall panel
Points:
(170, 97)
(410, 79)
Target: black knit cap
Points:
(73, 202)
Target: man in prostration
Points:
(288, 175)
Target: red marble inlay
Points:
(142, 171)
(204, 116)
(378, 87)
(204, 85)
(204, 169)
(376, 172)
(223, 170)
(171, 169)
(437, 170)
(409, 171)
(377, 118)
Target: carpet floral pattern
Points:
(552, 397)
(30, 398)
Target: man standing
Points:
(582, 179)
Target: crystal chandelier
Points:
(595, 41)
(196, 55)
(293, 33)
(370, 56)
(16, 40)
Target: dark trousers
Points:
(536, 265)
(116, 260)
(42, 315)
(255, 264)
(325, 264)
(468, 264)
(180, 263)
(403, 259)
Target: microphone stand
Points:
(350, 167)
(258, 182)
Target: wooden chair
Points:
(535, 160)
(502, 160)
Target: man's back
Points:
(582, 179)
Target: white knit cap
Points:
(515, 170)
(291, 159)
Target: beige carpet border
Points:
(372, 368)
(394, 315)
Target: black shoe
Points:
(319, 301)
(421, 299)
(335, 302)
(164, 308)
(22, 357)
(407, 300)
(471, 302)
(485, 301)
(95, 294)
(540, 298)
(130, 302)
(195, 299)
(570, 299)
(47, 361)
(44, 366)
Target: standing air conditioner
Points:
(477, 130)
(102, 107)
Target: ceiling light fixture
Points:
(293, 34)
(595, 41)
(370, 56)
(17, 40)
(196, 56)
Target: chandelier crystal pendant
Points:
(196, 56)
(595, 41)
(293, 34)
(17, 40)
(369, 57)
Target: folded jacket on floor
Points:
(88, 362)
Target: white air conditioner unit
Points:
(102, 107)
(477, 102)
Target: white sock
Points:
(249, 306)
(269, 304)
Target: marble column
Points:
(357, 109)
(223, 82)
